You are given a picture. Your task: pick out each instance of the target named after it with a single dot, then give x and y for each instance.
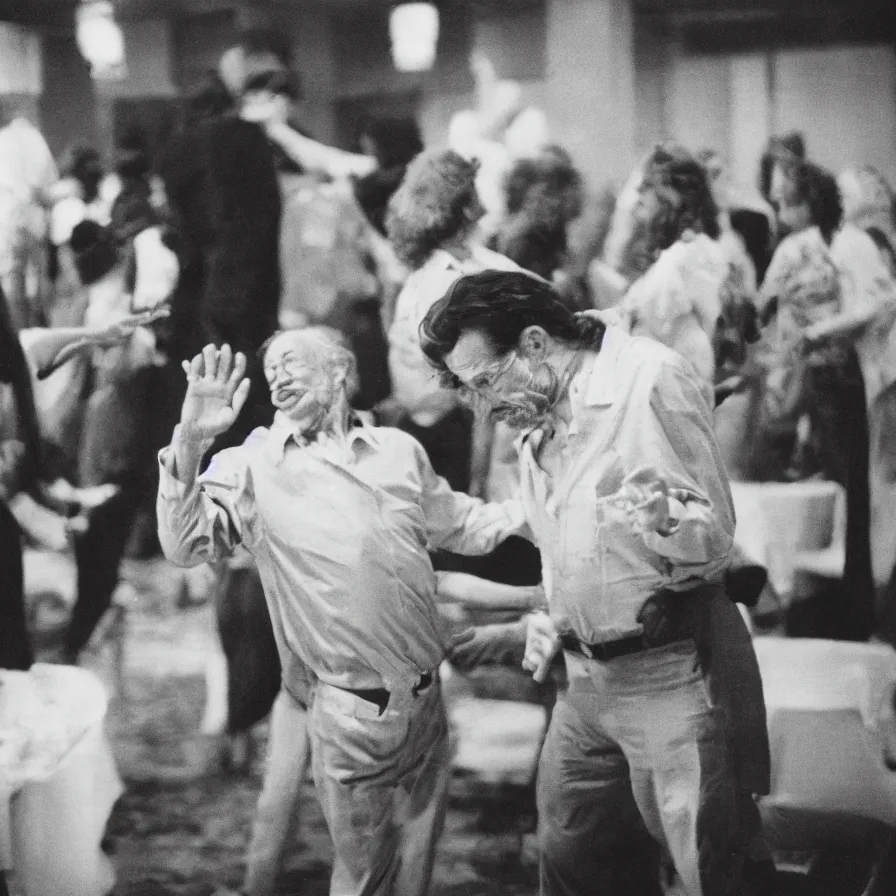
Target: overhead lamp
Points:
(414, 31)
(100, 39)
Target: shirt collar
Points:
(599, 384)
(282, 430)
(601, 388)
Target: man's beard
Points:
(309, 411)
(532, 407)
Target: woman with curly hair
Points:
(432, 223)
(543, 195)
(867, 320)
(815, 375)
(678, 298)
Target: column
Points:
(591, 84)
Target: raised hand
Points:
(216, 392)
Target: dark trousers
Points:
(247, 638)
(15, 647)
(840, 441)
(98, 553)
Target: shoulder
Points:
(655, 364)
(491, 260)
(423, 288)
(400, 446)
(851, 244)
(391, 438)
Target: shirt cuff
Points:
(170, 487)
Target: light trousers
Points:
(382, 780)
(277, 810)
(636, 747)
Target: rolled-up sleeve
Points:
(461, 524)
(683, 447)
(205, 522)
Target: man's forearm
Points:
(188, 530)
(316, 156)
(476, 593)
(186, 456)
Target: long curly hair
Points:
(543, 195)
(686, 200)
(435, 201)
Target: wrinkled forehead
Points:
(472, 354)
(303, 346)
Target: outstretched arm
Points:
(201, 517)
(48, 349)
(314, 156)
(461, 524)
(482, 594)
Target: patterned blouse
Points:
(804, 279)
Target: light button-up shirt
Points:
(635, 403)
(340, 541)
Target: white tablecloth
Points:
(830, 721)
(58, 782)
(777, 519)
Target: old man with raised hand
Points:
(338, 516)
(623, 486)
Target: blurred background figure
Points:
(433, 225)
(27, 173)
(544, 195)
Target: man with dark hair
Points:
(622, 483)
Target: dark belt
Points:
(379, 697)
(608, 650)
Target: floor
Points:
(183, 823)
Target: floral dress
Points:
(804, 281)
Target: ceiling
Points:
(766, 19)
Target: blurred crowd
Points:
(783, 297)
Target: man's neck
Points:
(336, 424)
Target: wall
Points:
(20, 60)
(843, 99)
(591, 85)
(149, 62)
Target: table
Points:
(778, 520)
(58, 781)
(830, 723)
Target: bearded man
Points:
(338, 516)
(663, 725)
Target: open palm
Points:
(216, 392)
